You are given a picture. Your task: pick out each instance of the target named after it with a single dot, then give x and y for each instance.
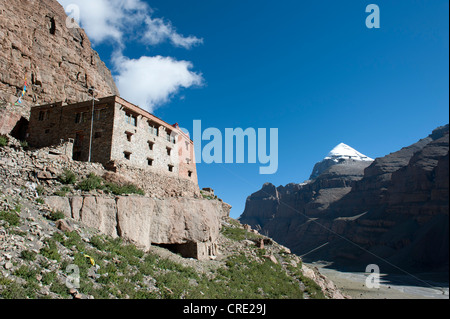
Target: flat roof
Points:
(134, 108)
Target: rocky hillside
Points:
(41, 247)
(57, 62)
(395, 207)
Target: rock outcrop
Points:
(191, 225)
(57, 62)
(188, 223)
(393, 213)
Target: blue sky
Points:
(312, 69)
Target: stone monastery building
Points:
(120, 132)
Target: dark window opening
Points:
(150, 145)
(127, 155)
(169, 150)
(129, 136)
(47, 131)
(41, 115)
(76, 156)
(170, 168)
(189, 173)
(98, 134)
(81, 117)
(149, 162)
(52, 27)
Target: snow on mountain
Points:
(342, 154)
(346, 152)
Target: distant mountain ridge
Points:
(394, 208)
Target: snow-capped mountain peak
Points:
(343, 151)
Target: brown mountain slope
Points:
(395, 215)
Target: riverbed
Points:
(401, 286)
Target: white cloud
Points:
(115, 19)
(106, 19)
(152, 81)
(158, 31)
(147, 81)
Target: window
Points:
(188, 160)
(44, 115)
(170, 138)
(150, 145)
(127, 155)
(169, 150)
(150, 161)
(97, 134)
(152, 129)
(131, 119)
(187, 146)
(81, 117)
(170, 168)
(47, 131)
(129, 136)
(101, 114)
(189, 173)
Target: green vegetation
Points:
(50, 250)
(238, 234)
(4, 140)
(112, 268)
(122, 190)
(28, 255)
(244, 278)
(54, 216)
(207, 196)
(68, 177)
(63, 191)
(95, 182)
(90, 183)
(24, 145)
(40, 190)
(11, 217)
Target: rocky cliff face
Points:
(396, 208)
(57, 62)
(191, 225)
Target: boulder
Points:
(192, 225)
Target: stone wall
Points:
(156, 184)
(121, 133)
(142, 145)
(49, 124)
